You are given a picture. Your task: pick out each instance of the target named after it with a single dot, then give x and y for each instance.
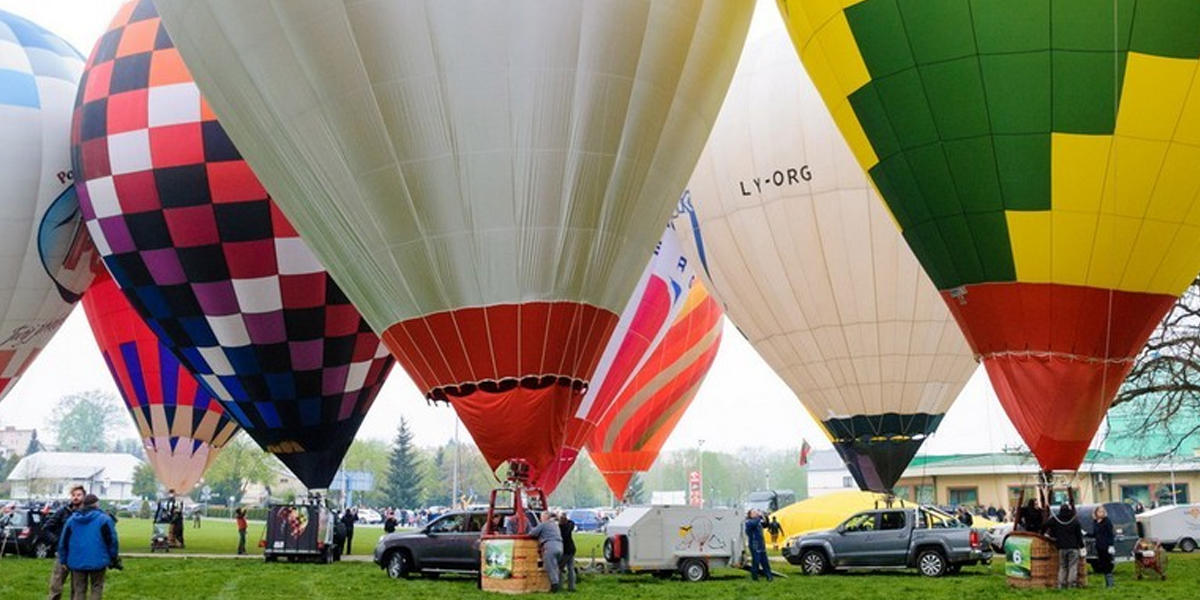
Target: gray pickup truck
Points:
(925, 538)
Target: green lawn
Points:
(171, 578)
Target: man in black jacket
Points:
(50, 534)
(1067, 534)
(348, 520)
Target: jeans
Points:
(241, 541)
(759, 563)
(1068, 568)
(87, 585)
(568, 563)
(552, 553)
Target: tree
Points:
(239, 464)
(34, 445)
(370, 456)
(130, 446)
(1164, 383)
(84, 420)
(145, 482)
(403, 487)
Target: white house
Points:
(50, 475)
(827, 473)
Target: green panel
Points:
(990, 232)
(1084, 88)
(874, 120)
(926, 243)
(888, 192)
(973, 167)
(955, 92)
(904, 99)
(879, 33)
(933, 177)
(1024, 165)
(1003, 26)
(961, 243)
(1088, 24)
(905, 189)
(938, 29)
(1167, 28)
(1018, 91)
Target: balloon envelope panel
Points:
(39, 74)
(485, 179)
(1040, 163)
(182, 426)
(808, 264)
(203, 254)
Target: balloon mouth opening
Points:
(876, 439)
(532, 382)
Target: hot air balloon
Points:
(182, 426)
(204, 256)
(657, 299)
(485, 179)
(1041, 163)
(629, 435)
(808, 265)
(39, 73)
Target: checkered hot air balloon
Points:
(1040, 159)
(485, 179)
(46, 257)
(183, 427)
(205, 257)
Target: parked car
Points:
(1174, 526)
(448, 544)
(927, 539)
(21, 533)
(586, 519)
(369, 516)
(1124, 526)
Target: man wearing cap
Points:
(88, 546)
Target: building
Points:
(827, 473)
(51, 475)
(998, 479)
(15, 441)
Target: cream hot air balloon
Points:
(484, 179)
(809, 266)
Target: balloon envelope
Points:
(39, 74)
(183, 427)
(203, 254)
(1041, 164)
(808, 265)
(629, 435)
(484, 178)
(656, 301)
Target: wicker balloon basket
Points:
(511, 565)
(1032, 562)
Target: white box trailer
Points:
(1175, 526)
(665, 540)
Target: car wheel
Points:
(813, 562)
(931, 563)
(399, 565)
(43, 550)
(1187, 545)
(693, 570)
(612, 553)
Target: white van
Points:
(1175, 526)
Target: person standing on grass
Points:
(241, 528)
(52, 532)
(195, 518)
(566, 527)
(776, 530)
(1106, 550)
(550, 544)
(348, 519)
(1067, 534)
(88, 546)
(759, 563)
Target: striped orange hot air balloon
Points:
(630, 434)
(1041, 160)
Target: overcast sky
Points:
(742, 403)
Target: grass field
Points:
(178, 576)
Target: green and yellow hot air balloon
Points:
(1042, 159)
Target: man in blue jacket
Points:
(759, 563)
(87, 547)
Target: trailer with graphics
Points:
(1175, 526)
(665, 540)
